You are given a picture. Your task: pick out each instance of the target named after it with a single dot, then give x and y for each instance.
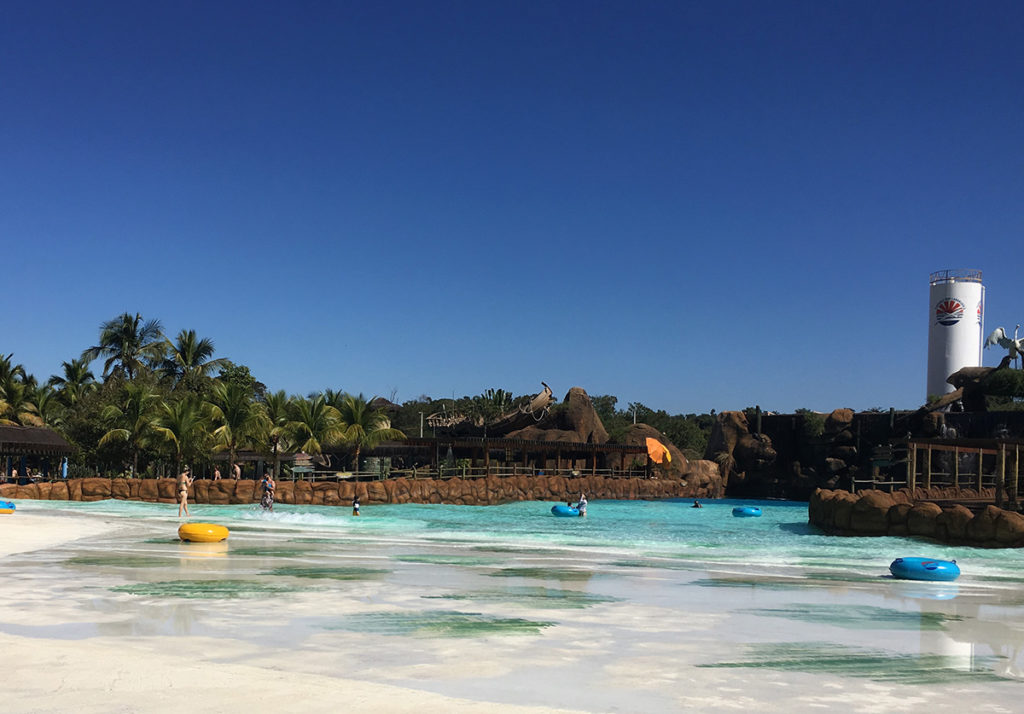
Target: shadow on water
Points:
(441, 623)
(878, 665)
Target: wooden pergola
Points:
(521, 452)
(20, 442)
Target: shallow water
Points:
(656, 605)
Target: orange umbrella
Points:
(657, 451)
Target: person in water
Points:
(184, 481)
(268, 486)
(582, 505)
(696, 504)
(355, 506)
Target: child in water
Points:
(355, 506)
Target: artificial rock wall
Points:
(702, 482)
(878, 513)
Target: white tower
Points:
(956, 313)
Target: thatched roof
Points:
(25, 440)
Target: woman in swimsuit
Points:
(184, 481)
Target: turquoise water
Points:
(780, 541)
(708, 592)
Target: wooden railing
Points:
(463, 472)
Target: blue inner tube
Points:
(7, 506)
(561, 510)
(925, 569)
(746, 511)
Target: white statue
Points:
(1014, 345)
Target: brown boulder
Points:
(583, 418)
(166, 489)
(148, 490)
(95, 487)
(219, 493)
(838, 420)
(200, 491)
(921, 520)
(59, 491)
(1009, 529)
(375, 492)
(120, 489)
(982, 528)
(954, 521)
(869, 515)
(303, 493)
(898, 514)
(842, 509)
(283, 493)
(677, 467)
(29, 491)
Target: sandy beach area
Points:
(111, 613)
(115, 675)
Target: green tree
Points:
(238, 419)
(131, 419)
(277, 407)
(314, 424)
(182, 423)
(77, 381)
(189, 361)
(364, 427)
(128, 343)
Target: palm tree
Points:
(17, 405)
(16, 389)
(131, 419)
(128, 343)
(190, 360)
(77, 381)
(48, 407)
(182, 424)
(314, 424)
(239, 420)
(363, 426)
(277, 406)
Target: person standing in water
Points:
(582, 505)
(184, 481)
(268, 486)
(355, 506)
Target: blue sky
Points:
(696, 206)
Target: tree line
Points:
(160, 402)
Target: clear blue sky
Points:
(694, 205)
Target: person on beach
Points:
(236, 471)
(184, 481)
(268, 486)
(216, 473)
(582, 505)
(355, 506)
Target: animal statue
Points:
(1014, 345)
(539, 404)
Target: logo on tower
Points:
(949, 311)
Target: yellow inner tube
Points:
(202, 532)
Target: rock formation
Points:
(739, 453)
(877, 513)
